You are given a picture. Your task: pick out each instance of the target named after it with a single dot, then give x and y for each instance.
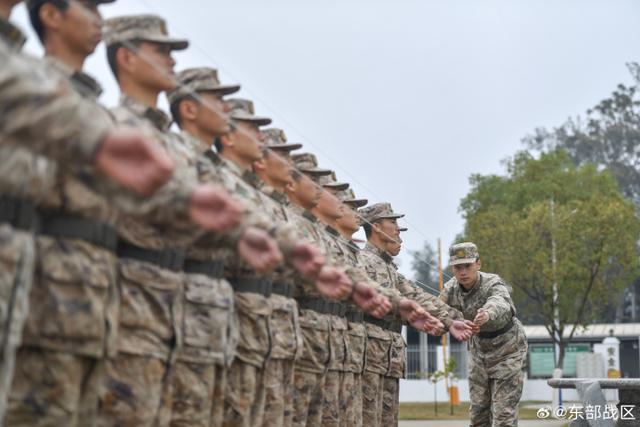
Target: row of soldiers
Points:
(200, 277)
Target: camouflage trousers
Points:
(372, 398)
(494, 398)
(133, 392)
(245, 396)
(53, 388)
(197, 394)
(278, 380)
(16, 274)
(351, 400)
(331, 405)
(308, 398)
(390, 401)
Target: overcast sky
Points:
(405, 99)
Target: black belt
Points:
(170, 258)
(70, 227)
(213, 269)
(284, 289)
(256, 285)
(355, 316)
(20, 213)
(389, 325)
(323, 306)
(497, 333)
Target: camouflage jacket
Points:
(492, 294)
(169, 228)
(41, 112)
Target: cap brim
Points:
(462, 261)
(357, 203)
(392, 216)
(402, 229)
(175, 44)
(317, 171)
(259, 121)
(337, 186)
(285, 147)
(221, 90)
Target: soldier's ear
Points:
(228, 139)
(125, 59)
(290, 187)
(50, 16)
(259, 165)
(188, 110)
(479, 263)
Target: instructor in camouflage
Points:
(498, 351)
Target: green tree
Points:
(548, 221)
(608, 136)
(424, 264)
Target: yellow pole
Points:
(444, 337)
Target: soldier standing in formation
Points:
(200, 278)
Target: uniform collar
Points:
(276, 195)
(332, 231)
(380, 252)
(475, 287)
(156, 116)
(83, 83)
(11, 35)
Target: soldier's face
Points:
(466, 274)
(306, 191)
(153, 66)
(329, 205)
(80, 26)
(212, 114)
(248, 142)
(388, 229)
(393, 248)
(349, 219)
(278, 169)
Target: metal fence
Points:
(422, 360)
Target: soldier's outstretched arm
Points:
(435, 306)
(498, 302)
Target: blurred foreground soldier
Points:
(42, 113)
(499, 348)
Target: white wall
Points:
(423, 391)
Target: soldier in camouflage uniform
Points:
(381, 393)
(199, 109)
(315, 312)
(498, 351)
(286, 336)
(239, 149)
(44, 115)
(150, 328)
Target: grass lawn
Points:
(426, 411)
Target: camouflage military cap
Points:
(34, 4)
(348, 196)
(243, 110)
(329, 181)
(277, 140)
(379, 211)
(149, 28)
(463, 253)
(308, 163)
(203, 79)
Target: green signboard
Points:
(541, 360)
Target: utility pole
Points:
(557, 372)
(444, 336)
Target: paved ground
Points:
(443, 423)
